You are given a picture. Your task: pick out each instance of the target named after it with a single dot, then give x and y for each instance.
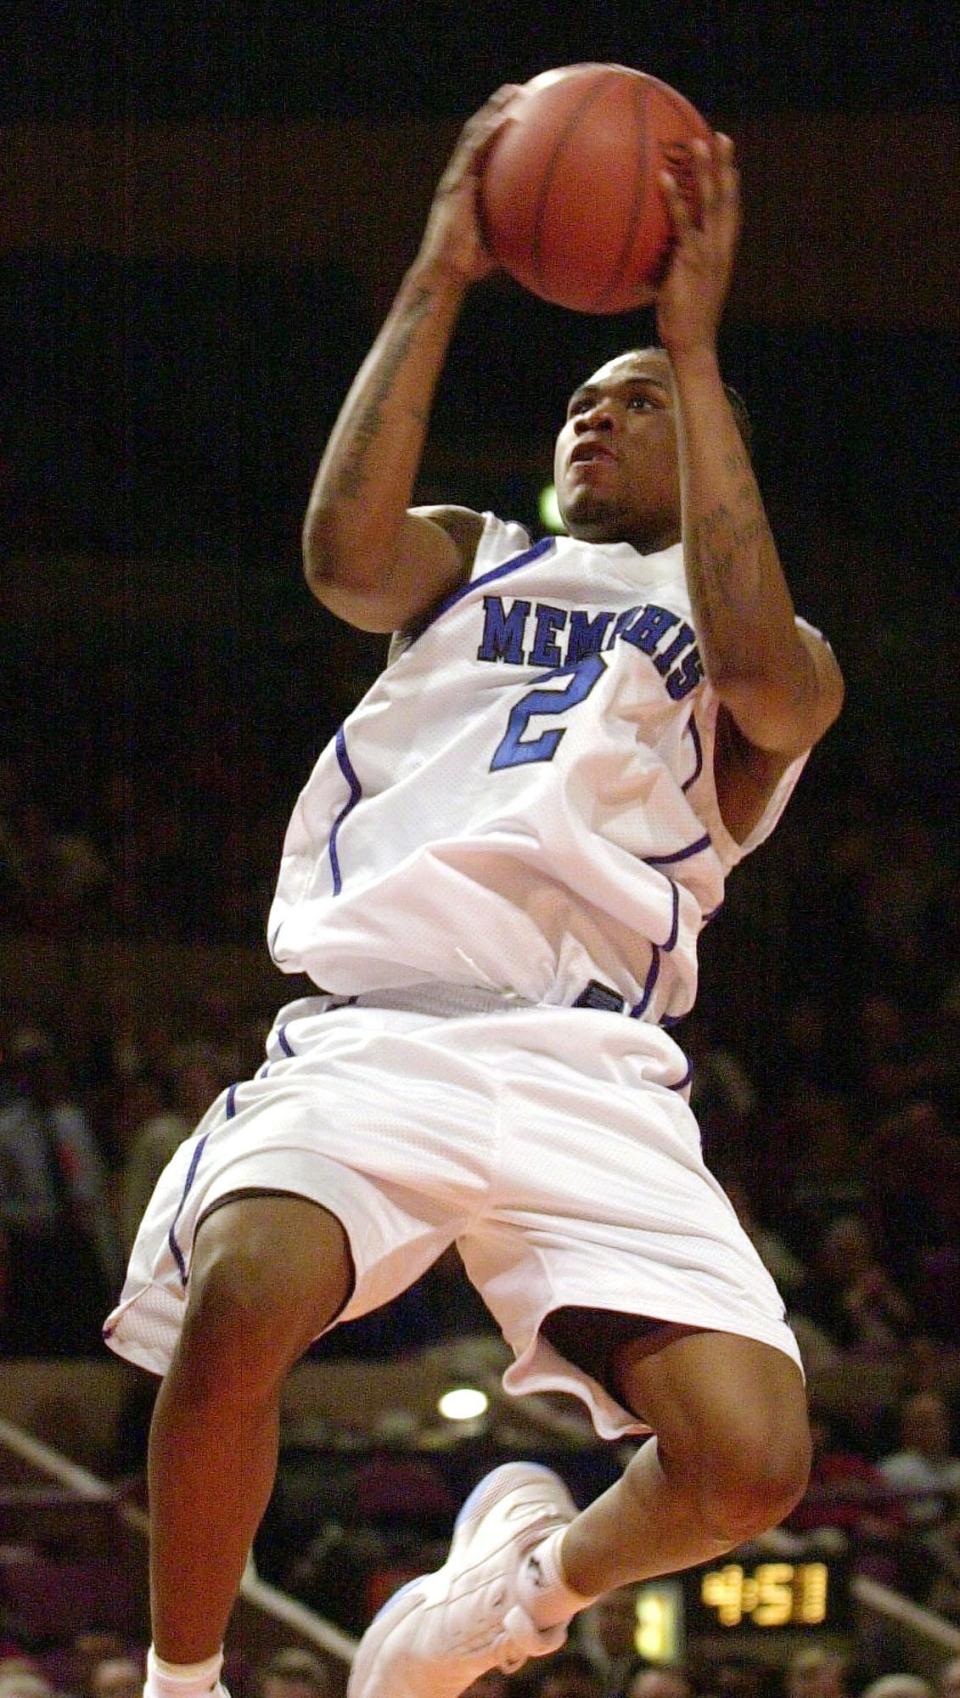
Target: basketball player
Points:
(497, 873)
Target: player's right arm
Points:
(366, 556)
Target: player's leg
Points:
(729, 1459)
(268, 1273)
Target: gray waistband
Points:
(439, 999)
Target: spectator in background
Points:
(927, 1474)
(848, 1494)
(660, 1683)
(22, 1681)
(815, 1672)
(608, 1635)
(294, 1673)
(912, 1201)
(786, 1268)
(924, 1469)
(53, 1208)
(568, 1674)
(892, 1059)
(948, 1680)
(898, 1686)
(806, 1058)
(851, 1296)
(90, 1648)
(195, 1076)
(51, 881)
(116, 1677)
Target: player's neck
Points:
(646, 540)
(656, 539)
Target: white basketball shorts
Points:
(555, 1146)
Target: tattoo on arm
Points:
(718, 537)
(367, 428)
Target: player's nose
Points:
(598, 416)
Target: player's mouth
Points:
(590, 452)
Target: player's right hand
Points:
(452, 239)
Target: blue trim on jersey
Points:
(675, 927)
(682, 1084)
(697, 848)
(343, 761)
(691, 726)
(653, 973)
(513, 565)
(284, 1043)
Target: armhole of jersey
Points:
(500, 539)
(703, 793)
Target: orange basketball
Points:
(570, 199)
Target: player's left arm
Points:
(780, 684)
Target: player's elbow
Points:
(334, 567)
(785, 704)
(331, 556)
(321, 549)
(778, 713)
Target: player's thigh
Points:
(720, 1402)
(269, 1271)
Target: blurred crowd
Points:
(599, 1661)
(104, 1664)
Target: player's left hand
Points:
(453, 238)
(691, 298)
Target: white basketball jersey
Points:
(525, 798)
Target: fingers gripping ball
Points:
(570, 198)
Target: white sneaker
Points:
(439, 1633)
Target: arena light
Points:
(548, 509)
(463, 1403)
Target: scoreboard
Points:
(743, 1600)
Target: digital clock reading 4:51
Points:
(774, 1594)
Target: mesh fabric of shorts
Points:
(555, 1146)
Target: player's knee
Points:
(245, 1322)
(752, 1475)
(267, 1275)
(754, 1491)
(744, 1476)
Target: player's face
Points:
(615, 466)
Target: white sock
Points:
(181, 1680)
(542, 1587)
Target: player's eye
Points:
(641, 403)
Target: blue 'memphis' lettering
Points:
(533, 633)
(550, 620)
(649, 627)
(586, 635)
(502, 631)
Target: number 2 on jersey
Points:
(513, 749)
